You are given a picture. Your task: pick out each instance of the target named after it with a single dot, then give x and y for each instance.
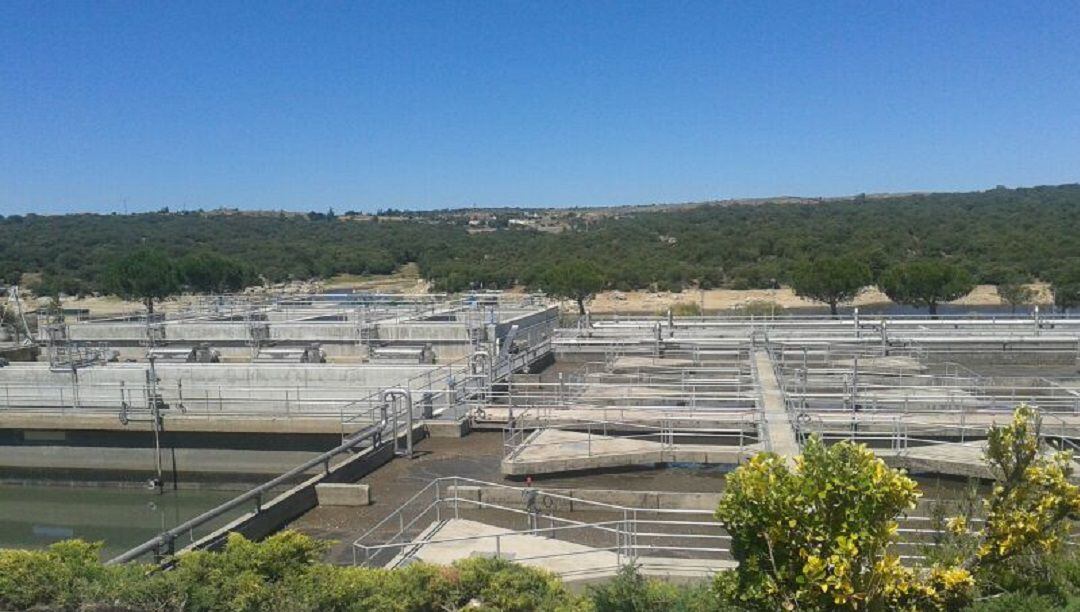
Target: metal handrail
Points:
(166, 540)
(441, 499)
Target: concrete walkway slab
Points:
(551, 451)
(456, 539)
(781, 434)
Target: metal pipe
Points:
(389, 395)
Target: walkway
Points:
(781, 434)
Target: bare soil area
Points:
(408, 281)
(713, 300)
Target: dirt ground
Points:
(731, 299)
(408, 281)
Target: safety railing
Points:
(616, 535)
(899, 433)
(166, 542)
(625, 533)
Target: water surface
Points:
(36, 516)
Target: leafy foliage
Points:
(281, 573)
(816, 535)
(1031, 506)
(832, 280)
(629, 591)
(1033, 496)
(1066, 287)
(144, 275)
(926, 283)
(575, 280)
(1015, 293)
(209, 272)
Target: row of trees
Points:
(995, 236)
(922, 284)
(838, 280)
(148, 275)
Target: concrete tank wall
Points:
(424, 332)
(314, 332)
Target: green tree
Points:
(1066, 288)
(816, 535)
(1015, 293)
(144, 275)
(926, 283)
(208, 272)
(576, 280)
(832, 280)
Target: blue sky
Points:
(363, 105)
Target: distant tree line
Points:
(1002, 236)
(148, 275)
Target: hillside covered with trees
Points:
(997, 236)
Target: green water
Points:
(36, 516)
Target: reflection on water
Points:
(36, 516)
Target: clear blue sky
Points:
(375, 104)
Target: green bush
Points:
(501, 585)
(1022, 602)
(631, 592)
(281, 573)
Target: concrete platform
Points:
(949, 459)
(456, 539)
(550, 451)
